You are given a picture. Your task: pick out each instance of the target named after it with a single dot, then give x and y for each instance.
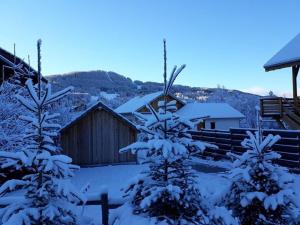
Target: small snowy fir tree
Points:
(167, 191)
(12, 128)
(261, 191)
(48, 194)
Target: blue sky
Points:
(222, 42)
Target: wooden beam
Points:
(295, 70)
(281, 66)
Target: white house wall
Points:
(223, 124)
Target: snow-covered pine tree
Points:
(167, 191)
(49, 196)
(261, 191)
(12, 128)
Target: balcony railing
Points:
(276, 106)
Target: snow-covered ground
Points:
(110, 178)
(114, 178)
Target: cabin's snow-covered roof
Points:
(94, 106)
(137, 102)
(212, 110)
(286, 57)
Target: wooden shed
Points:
(96, 136)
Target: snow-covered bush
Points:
(48, 194)
(64, 108)
(261, 191)
(167, 191)
(12, 128)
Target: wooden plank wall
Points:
(230, 141)
(96, 139)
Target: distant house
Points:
(218, 115)
(138, 104)
(9, 63)
(96, 136)
(221, 116)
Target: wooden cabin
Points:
(154, 103)
(95, 137)
(138, 104)
(285, 110)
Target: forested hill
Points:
(114, 89)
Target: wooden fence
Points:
(230, 141)
(105, 206)
(102, 201)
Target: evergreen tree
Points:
(12, 128)
(49, 196)
(167, 190)
(261, 191)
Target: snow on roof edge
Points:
(138, 102)
(213, 110)
(288, 54)
(92, 107)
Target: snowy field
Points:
(114, 178)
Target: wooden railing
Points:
(285, 110)
(275, 106)
(230, 141)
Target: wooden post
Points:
(104, 208)
(295, 70)
(280, 107)
(261, 107)
(3, 73)
(231, 141)
(298, 138)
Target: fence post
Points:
(261, 106)
(231, 141)
(298, 138)
(104, 208)
(281, 106)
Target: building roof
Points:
(98, 105)
(212, 110)
(10, 60)
(138, 102)
(288, 56)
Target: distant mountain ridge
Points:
(95, 83)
